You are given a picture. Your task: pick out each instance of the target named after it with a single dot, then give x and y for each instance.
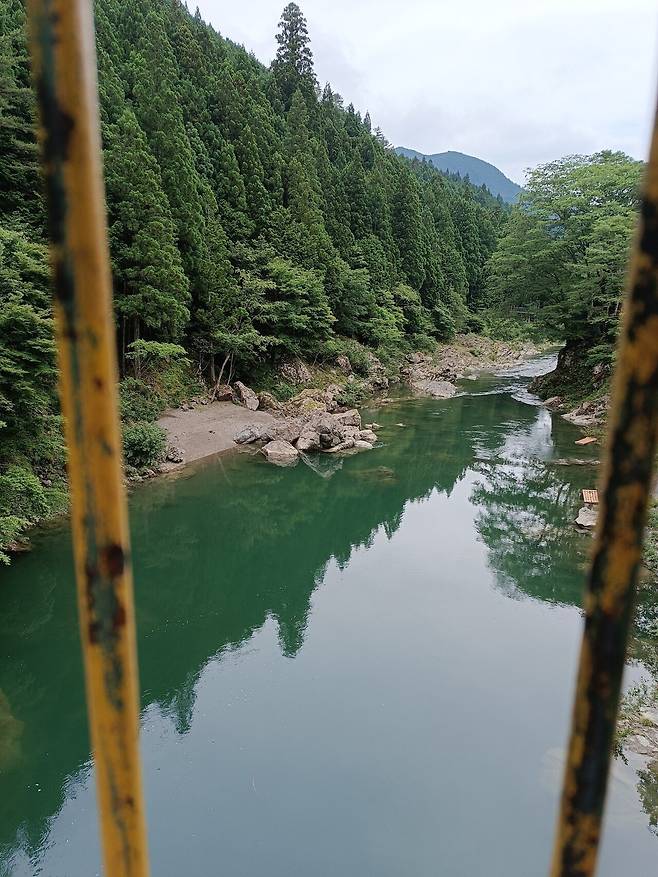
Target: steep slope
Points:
(479, 172)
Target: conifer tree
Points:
(293, 64)
(20, 184)
(150, 286)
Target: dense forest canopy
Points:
(252, 217)
(564, 250)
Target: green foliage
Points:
(138, 401)
(475, 323)
(144, 445)
(564, 251)
(352, 394)
(357, 354)
(22, 503)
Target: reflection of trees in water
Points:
(524, 519)
(525, 515)
(219, 552)
(648, 791)
(216, 555)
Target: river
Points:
(364, 671)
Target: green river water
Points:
(364, 672)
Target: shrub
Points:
(144, 445)
(22, 502)
(443, 321)
(475, 323)
(138, 401)
(356, 353)
(423, 342)
(352, 394)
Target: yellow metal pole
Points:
(64, 69)
(617, 551)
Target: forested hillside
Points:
(252, 217)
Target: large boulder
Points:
(246, 396)
(248, 435)
(586, 519)
(309, 440)
(223, 393)
(268, 402)
(434, 388)
(349, 418)
(367, 435)
(280, 453)
(296, 372)
(322, 422)
(287, 430)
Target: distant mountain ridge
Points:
(479, 172)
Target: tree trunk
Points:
(219, 379)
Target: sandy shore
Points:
(207, 429)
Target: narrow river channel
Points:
(359, 671)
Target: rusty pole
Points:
(64, 70)
(617, 550)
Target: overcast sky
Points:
(515, 82)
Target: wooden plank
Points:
(588, 440)
(590, 495)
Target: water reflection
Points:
(236, 545)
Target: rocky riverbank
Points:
(319, 418)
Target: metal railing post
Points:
(617, 552)
(64, 69)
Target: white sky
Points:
(515, 83)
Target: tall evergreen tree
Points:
(293, 64)
(150, 286)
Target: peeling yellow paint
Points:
(64, 71)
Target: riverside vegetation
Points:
(255, 220)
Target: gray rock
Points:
(296, 372)
(329, 440)
(587, 518)
(362, 446)
(268, 402)
(436, 389)
(284, 430)
(223, 393)
(247, 435)
(379, 381)
(580, 419)
(246, 396)
(344, 364)
(280, 453)
(553, 403)
(175, 455)
(349, 418)
(309, 440)
(367, 435)
(341, 446)
(322, 422)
